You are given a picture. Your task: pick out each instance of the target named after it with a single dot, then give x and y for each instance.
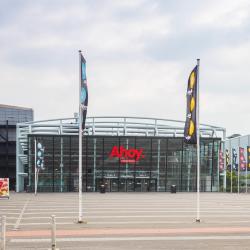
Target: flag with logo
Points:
(190, 134)
(248, 158)
(84, 91)
(228, 165)
(221, 161)
(234, 159)
(242, 160)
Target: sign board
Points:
(4, 188)
(131, 155)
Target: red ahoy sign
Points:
(131, 155)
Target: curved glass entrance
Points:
(124, 164)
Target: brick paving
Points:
(128, 221)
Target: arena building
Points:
(127, 154)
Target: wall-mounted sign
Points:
(130, 155)
(4, 188)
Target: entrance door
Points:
(114, 185)
(138, 185)
(141, 185)
(122, 185)
(130, 185)
(145, 185)
(126, 185)
(152, 185)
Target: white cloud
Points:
(223, 14)
(139, 54)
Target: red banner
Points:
(221, 161)
(242, 160)
(248, 158)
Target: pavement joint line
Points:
(128, 222)
(17, 224)
(144, 216)
(126, 232)
(118, 223)
(140, 211)
(166, 238)
(224, 213)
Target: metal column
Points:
(7, 148)
(126, 173)
(94, 173)
(17, 160)
(61, 166)
(225, 167)
(158, 164)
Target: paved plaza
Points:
(128, 221)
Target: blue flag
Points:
(234, 159)
(84, 91)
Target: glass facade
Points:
(123, 164)
(9, 117)
(14, 114)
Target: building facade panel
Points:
(9, 117)
(123, 164)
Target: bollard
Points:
(53, 232)
(3, 235)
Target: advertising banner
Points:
(228, 164)
(248, 158)
(190, 136)
(242, 160)
(84, 92)
(221, 161)
(4, 188)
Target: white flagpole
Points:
(35, 170)
(246, 171)
(239, 173)
(218, 169)
(198, 143)
(231, 161)
(80, 144)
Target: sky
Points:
(139, 55)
